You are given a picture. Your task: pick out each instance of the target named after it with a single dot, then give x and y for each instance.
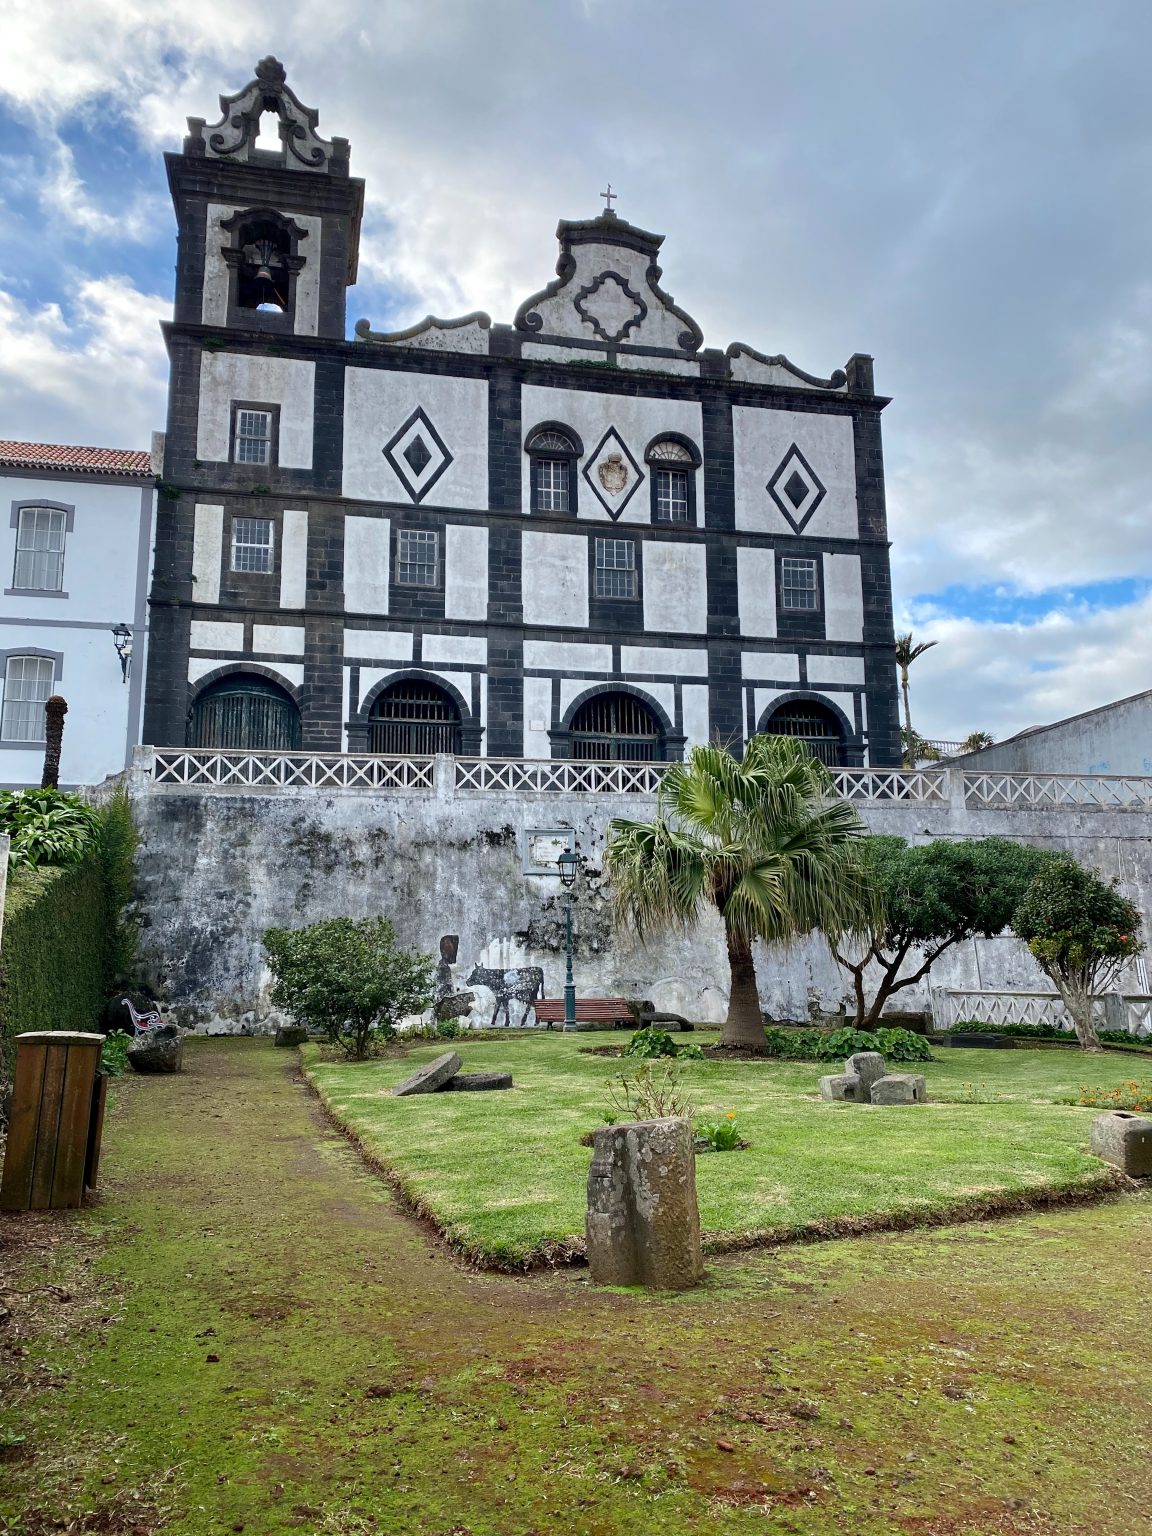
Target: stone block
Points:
(290, 1034)
(869, 1068)
(157, 1050)
(477, 1082)
(643, 1222)
(900, 1088)
(429, 1078)
(1125, 1139)
(842, 1085)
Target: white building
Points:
(76, 568)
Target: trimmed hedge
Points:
(54, 959)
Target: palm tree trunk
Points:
(907, 706)
(744, 1025)
(54, 711)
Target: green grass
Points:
(503, 1174)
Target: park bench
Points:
(589, 1010)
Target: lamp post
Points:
(567, 865)
(122, 640)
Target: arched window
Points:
(613, 727)
(263, 259)
(413, 718)
(553, 452)
(811, 723)
(672, 463)
(27, 687)
(244, 713)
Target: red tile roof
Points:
(85, 461)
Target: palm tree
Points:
(907, 650)
(764, 839)
(976, 741)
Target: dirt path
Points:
(254, 1339)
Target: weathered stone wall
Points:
(220, 865)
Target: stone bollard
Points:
(839, 1086)
(900, 1088)
(643, 1223)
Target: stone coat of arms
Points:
(613, 474)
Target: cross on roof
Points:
(609, 198)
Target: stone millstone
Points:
(157, 1050)
(477, 1082)
(428, 1079)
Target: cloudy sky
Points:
(961, 190)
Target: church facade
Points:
(582, 534)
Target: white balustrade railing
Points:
(558, 776)
(282, 770)
(950, 787)
(956, 1005)
(1040, 790)
(916, 786)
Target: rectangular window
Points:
(40, 549)
(615, 568)
(252, 437)
(672, 496)
(417, 558)
(551, 484)
(27, 686)
(252, 544)
(798, 588)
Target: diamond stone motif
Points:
(612, 473)
(417, 454)
(796, 489)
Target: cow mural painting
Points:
(522, 984)
(449, 1002)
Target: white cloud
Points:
(980, 675)
(94, 376)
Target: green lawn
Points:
(504, 1174)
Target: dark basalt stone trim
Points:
(365, 332)
(838, 379)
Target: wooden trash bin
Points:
(54, 1127)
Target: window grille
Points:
(241, 713)
(417, 558)
(798, 588)
(253, 443)
(615, 568)
(252, 544)
(672, 496)
(40, 549)
(812, 724)
(27, 687)
(413, 719)
(613, 727)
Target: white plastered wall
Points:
(555, 579)
(756, 591)
(294, 558)
(843, 598)
(465, 572)
(761, 438)
(376, 406)
(283, 381)
(367, 553)
(207, 552)
(675, 587)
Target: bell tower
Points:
(268, 238)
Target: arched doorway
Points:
(612, 727)
(244, 713)
(414, 718)
(811, 723)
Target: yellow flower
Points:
(731, 1114)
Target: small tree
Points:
(976, 741)
(352, 980)
(909, 650)
(934, 896)
(917, 748)
(1081, 931)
